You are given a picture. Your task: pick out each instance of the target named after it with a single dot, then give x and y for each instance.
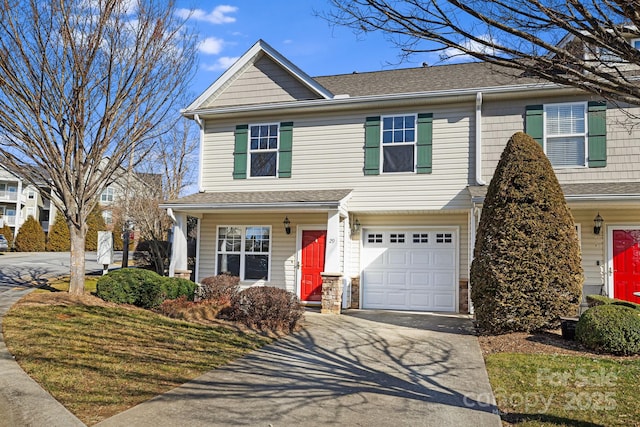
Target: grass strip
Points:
(99, 361)
(561, 390)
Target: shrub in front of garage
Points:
(526, 271)
(8, 234)
(611, 328)
(30, 237)
(59, 239)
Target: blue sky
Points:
(228, 29)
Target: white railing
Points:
(8, 195)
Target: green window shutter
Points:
(597, 117)
(240, 152)
(372, 146)
(284, 150)
(424, 143)
(533, 124)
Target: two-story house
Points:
(380, 177)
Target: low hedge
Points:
(142, 288)
(595, 300)
(610, 328)
(220, 288)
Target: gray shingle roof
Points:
(584, 189)
(262, 197)
(424, 79)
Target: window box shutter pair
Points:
(240, 152)
(597, 130)
(424, 144)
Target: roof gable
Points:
(261, 75)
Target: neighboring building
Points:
(380, 177)
(19, 200)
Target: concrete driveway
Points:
(365, 368)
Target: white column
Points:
(332, 253)
(179, 244)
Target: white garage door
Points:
(409, 269)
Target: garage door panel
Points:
(410, 270)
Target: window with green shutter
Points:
(572, 134)
(263, 150)
(399, 143)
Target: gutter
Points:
(348, 102)
(196, 118)
(479, 179)
(245, 206)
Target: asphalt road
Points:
(34, 268)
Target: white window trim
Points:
(243, 253)
(399, 144)
(585, 134)
(250, 151)
(107, 195)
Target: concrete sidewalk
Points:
(22, 401)
(367, 368)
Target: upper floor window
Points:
(398, 143)
(565, 137)
(263, 150)
(31, 195)
(107, 195)
(107, 215)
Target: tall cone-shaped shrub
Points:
(59, 239)
(30, 237)
(95, 223)
(8, 234)
(526, 271)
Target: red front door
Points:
(312, 264)
(626, 264)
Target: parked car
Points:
(4, 245)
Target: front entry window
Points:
(244, 251)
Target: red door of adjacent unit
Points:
(312, 264)
(626, 264)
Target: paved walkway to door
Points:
(364, 368)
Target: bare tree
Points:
(584, 44)
(164, 174)
(83, 83)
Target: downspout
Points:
(200, 123)
(479, 180)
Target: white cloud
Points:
(456, 55)
(211, 45)
(219, 15)
(222, 63)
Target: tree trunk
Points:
(76, 284)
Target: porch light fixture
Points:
(355, 227)
(287, 225)
(597, 224)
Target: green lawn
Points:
(560, 390)
(98, 361)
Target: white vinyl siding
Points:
(328, 154)
(565, 134)
(504, 118)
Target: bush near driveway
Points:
(526, 271)
(266, 308)
(611, 328)
(8, 234)
(594, 300)
(59, 239)
(220, 288)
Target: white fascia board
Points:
(320, 206)
(259, 46)
(440, 96)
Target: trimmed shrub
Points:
(526, 271)
(610, 328)
(142, 288)
(220, 288)
(30, 237)
(8, 234)
(595, 300)
(95, 223)
(266, 308)
(59, 239)
(176, 287)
